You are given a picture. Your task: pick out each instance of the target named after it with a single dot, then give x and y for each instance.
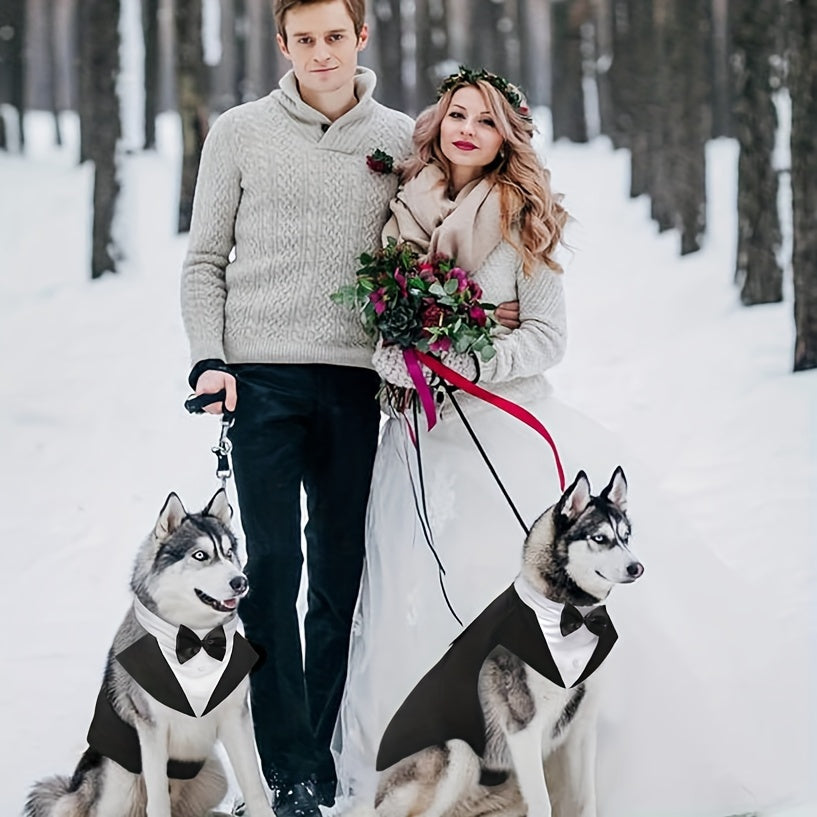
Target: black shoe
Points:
(294, 799)
(324, 791)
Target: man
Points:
(285, 202)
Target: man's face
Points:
(322, 46)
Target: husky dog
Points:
(505, 722)
(175, 682)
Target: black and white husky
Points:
(505, 723)
(175, 683)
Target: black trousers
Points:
(312, 425)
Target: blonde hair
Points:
(533, 218)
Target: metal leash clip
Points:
(196, 405)
(224, 468)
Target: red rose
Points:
(432, 315)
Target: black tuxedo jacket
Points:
(116, 739)
(445, 703)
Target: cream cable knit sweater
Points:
(284, 204)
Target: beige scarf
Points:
(466, 228)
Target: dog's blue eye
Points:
(200, 556)
(600, 538)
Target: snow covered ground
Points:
(95, 436)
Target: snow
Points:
(95, 435)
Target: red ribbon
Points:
(423, 391)
(466, 385)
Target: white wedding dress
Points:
(707, 701)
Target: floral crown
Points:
(467, 76)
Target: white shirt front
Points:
(570, 652)
(199, 675)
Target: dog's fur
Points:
(540, 738)
(185, 553)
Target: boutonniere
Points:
(380, 162)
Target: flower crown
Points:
(467, 76)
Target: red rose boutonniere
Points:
(380, 162)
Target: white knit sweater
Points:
(284, 205)
(522, 355)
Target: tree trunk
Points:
(722, 97)
(85, 81)
(693, 32)
(642, 59)
(567, 93)
(803, 85)
(527, 57)
(757, 271)
(12, 60)
(241, 34)
(101, 124)
(431, 49)
(51, 35)
(488, 45)
(391, 90)
(263, 67)
(150, 25)
(661, 134)
(603, 28)
(191, 87)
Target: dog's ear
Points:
(219, 507)
(616, 492)
(576, 498)
(170, 517)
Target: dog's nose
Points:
(239, 584)
(635, 569)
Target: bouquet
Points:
(429, 305)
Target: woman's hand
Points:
(212, 381)
(507, 313)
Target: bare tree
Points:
(191, 87)
(150, 26)
(12, 62)
(692, 34)
(101, 123)
(803, 84)
(489, 25)
(389, 22)
(661, 132)
(265, 63)
(567, 92)
(431, 50)
(757, 270)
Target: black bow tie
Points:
(188, 644)
(597, 620)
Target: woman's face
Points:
(468, 135)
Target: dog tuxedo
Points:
(189, 671)
(445, 704)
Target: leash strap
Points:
(450, 390)
(422, 510)
(509, 407)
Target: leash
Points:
(196, 405)
(451, 381)
(454, 402)
(422, 512)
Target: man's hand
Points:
(507, 313)
(212, 381)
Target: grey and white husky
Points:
(519, 739)
(175, 682)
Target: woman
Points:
(475, 189)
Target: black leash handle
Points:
(198, 402)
